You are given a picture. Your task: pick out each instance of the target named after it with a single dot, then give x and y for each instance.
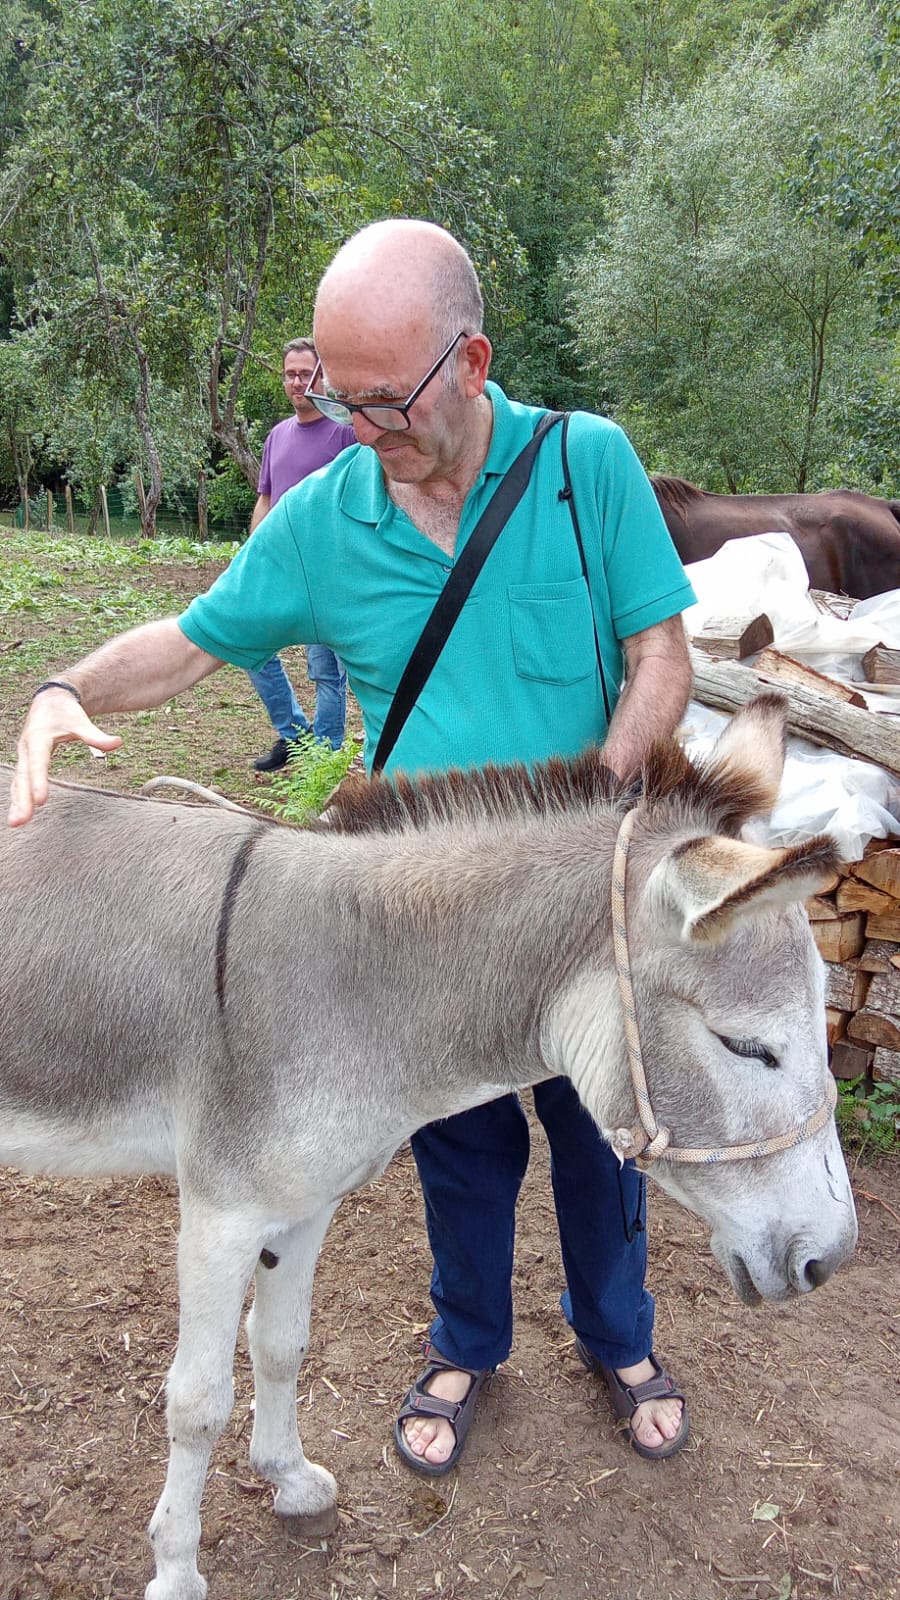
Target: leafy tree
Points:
(722, 308)
(185, 168)
(22, 401)
(550, 81)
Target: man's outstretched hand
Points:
(55, 718)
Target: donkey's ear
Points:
(749, 752)
(711, 881)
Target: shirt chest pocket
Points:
(552, 631)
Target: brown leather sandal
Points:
(419, 1403)
(625, 1399)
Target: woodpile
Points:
(856, 920)
(856, 926)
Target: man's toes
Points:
(426, 1438)
(655, 1425)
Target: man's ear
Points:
(474, 364)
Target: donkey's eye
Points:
(748, 1047)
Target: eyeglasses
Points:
(393, 417)
(296, 377)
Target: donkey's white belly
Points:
(128, 1143)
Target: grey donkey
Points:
(456, 936)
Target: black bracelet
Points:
(57, 683)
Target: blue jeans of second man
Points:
(286, 714)
(471, 1168)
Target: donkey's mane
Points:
(710, 794)
(400, 803)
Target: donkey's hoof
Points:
(181, 1586)
(311, 1524)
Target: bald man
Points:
(355, 557)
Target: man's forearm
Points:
(653, 700)
(139, 669)
(260, 510)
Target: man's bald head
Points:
(405, 271)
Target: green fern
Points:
(300, 791)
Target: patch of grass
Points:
(299, 792)
(86, 556)
(868, 1116)
(61, 598)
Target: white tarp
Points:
(822, 792)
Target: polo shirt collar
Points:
(365, 498)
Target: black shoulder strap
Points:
(453, 596)
(567, 493)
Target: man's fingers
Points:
(99, 739)
(30, 781)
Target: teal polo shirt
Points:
(337, 563)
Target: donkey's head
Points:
(730, 1011)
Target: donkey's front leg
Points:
(216, 1256)
(277, 1328)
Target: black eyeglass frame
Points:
(343, 410)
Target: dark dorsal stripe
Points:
(235, 878)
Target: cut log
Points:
(884, 991)
(846, 987)
(841, 939)
(784, 669)
(818, 909)
(886, 1066)
(880, 1028)
(833, 605)
(879, 955)
(733, 638)
(851, 1060)
(881, 870)
(884, 925)
(851, 732)
(881, 664)
(853, 895)
(836, 1024)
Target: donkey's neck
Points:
(481, 938)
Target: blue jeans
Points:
(286, 714)
(471, 1168)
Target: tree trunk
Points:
(202, 520)
(153, 494)
(227, 429)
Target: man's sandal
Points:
(419, 1403)
(625, 1399)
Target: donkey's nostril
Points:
(807, 1271)
(816, 1273)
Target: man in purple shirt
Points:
(294, 448)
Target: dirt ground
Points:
(787, 1488)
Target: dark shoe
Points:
(625, 1399)
(419, 1403)
(277, 757)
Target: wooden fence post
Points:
(105, 509)
(202, 519)
(70, 512)
(49, 511)
(142, 498)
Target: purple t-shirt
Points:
(294, 449)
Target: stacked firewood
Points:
(856, 920)
(856, 926)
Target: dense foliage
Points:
(723, 306)
(683, 213)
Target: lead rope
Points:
(647, 1139)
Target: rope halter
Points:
(647, 1140)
